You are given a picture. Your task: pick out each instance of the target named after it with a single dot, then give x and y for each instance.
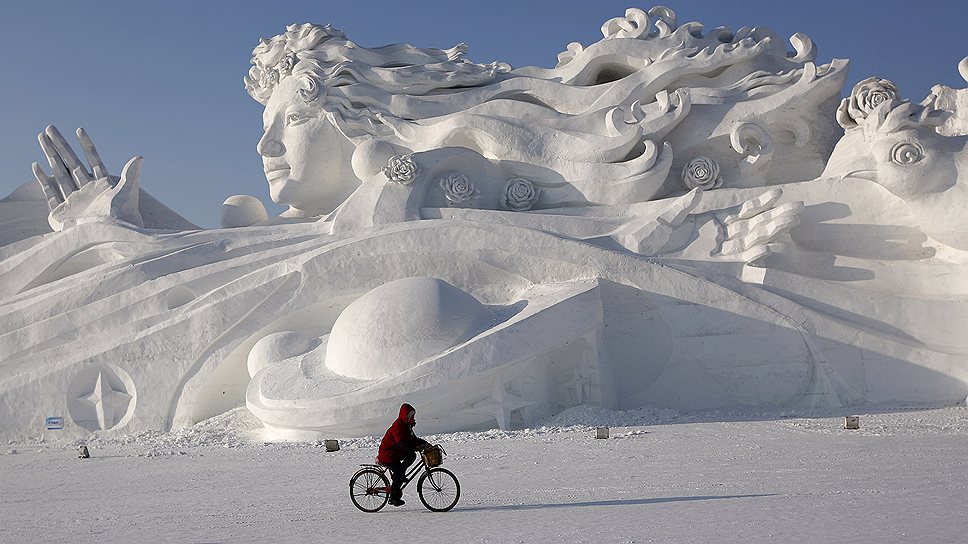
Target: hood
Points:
(404, 410)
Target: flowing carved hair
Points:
(590, 123)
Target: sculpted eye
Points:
(907, 153)
(294, 119)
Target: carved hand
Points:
(749, 233)
(76, 195)
(746, 235)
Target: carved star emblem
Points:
(501, 404)
(108, 403)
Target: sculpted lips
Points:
(275, 171)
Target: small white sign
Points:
(55, 423)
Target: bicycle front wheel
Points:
(369, 490)
(439, 489)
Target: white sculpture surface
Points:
(242, 211)
(670, 216)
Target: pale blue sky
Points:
(164, 80)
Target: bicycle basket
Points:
(433, 456)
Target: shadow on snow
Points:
(625, 502)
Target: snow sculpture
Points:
(77, 193)
(242, 211)
(597, 129)
(667, 217)
(896, 145)
(425, 333)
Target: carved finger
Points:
(764, 233)
(80, 175)
(67, 154)
(782, 225)
(51, 190)
(755, 206)
(59, 171)
(743, 227)
(93, 158)
(767, 232)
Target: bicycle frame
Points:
(411, 473)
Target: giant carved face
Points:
(305, 158)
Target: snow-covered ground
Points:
(661, 477)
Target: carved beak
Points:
(869, 175)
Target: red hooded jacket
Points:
(399, 441)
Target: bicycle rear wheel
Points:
(439, 489)
(369, 490)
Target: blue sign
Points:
(55, 423)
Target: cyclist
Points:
(397, 450)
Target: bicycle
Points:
(437, 487)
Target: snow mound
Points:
(233, 429)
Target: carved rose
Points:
(271, 78)
(285, 65)
(865, 96)
(401, 169)
(457, 188)
(266, 78)
(701, 172)
(520, 194)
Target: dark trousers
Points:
(398, 471)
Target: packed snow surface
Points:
(661, 477)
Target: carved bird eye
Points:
(907, 153)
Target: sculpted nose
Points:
(269, 147)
